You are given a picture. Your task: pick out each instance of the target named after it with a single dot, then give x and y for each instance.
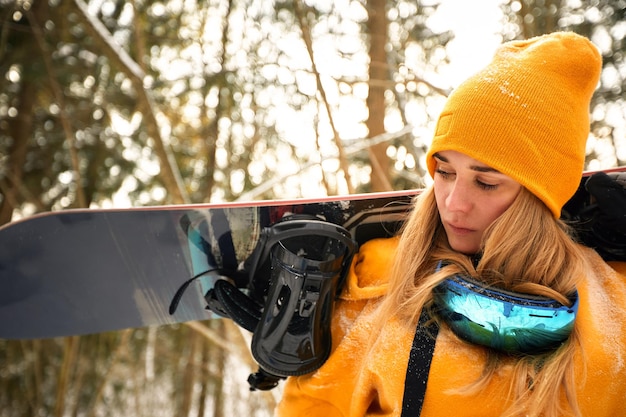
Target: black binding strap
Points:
(221, 228)
(420, 359)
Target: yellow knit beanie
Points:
(527, 114)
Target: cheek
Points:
(492, 213)
(494, 209)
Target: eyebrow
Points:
(478, 168)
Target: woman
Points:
(507, 154)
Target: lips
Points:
(459, 230)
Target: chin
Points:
(465, 248)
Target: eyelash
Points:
(486, 187)
(480, 184)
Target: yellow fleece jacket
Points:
(355, 383)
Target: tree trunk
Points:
(378, 75)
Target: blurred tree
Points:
(413, 53)
(378, 84)
(391, 86)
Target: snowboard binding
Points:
(598, 215)
(284, 295)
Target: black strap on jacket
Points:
(420, 359)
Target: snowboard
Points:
(78, 272)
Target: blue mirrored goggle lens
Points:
(506, 321)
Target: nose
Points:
(459, 198)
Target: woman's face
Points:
(470, 196)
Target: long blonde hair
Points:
(524, 250)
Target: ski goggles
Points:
(507, 321)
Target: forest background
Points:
(111, 103)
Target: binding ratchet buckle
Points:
(285, 294)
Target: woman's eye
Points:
(486, 186)
(444, 174)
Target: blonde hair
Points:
(526, 250)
